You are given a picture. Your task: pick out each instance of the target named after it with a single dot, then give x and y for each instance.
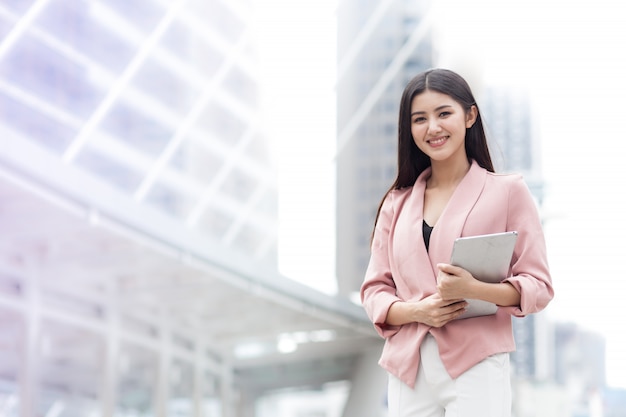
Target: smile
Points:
(437, 141)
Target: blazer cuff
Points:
(378, 314)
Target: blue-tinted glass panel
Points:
(221, 123)
(195, 161)
(137, 129)
(214, 222)
(17, 6)
(242, 86)
(73, 22)
(5, 27)
(258, 150)
(192, 49)
(248, 239)
(239, 186)
(221, 18)
(34, 125)
(34, 67)
(144, 14)
(107, 169)
(166, 86)
(168, 200)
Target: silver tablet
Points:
(487, 258)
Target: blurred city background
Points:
(187, 190)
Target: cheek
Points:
(417, 132)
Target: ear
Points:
(471, 116)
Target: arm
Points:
(529, 288)
(433, 311)
(378, 291)
(454, 282)
(530, 271)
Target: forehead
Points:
(431, 100)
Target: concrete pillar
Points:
(228, 398)
(111, 353)
(29, 367)
(198, 380)
(162, 389)
(248, 403)
(368, 392)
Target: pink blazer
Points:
(400, 268)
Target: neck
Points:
(445, 174)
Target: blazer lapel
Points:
(452, 220)
(409, 250)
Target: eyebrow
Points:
(437, 109)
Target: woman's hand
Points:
(437, 312)
(432, 310)
(454, 282)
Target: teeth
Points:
(437, 141)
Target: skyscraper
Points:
(381, 45)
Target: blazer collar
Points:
(452, 220)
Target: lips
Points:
(435, 142)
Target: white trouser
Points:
(482, 391)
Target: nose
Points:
(433, 125)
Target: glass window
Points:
(18, 6)
(5, 26)
(248, 239)
(137, 380)
(168, 199)
(166, 86)
(192, 49)
(108, 169)
(34, 67)
(31, 123)
(196, 161)
(75, 25)
(215, 222)
(221, 18)
(222, 123)
(144, 14)
(242, 86)
(238, 185)
(136, 128)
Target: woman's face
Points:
(438, 125)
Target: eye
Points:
(444, 114)
(419, 120)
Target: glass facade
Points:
(156, 99)
(138, 209)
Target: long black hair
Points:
(411, 160)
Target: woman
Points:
(446, 188)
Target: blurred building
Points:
(580, 365)
(381, 46)
(138, 220)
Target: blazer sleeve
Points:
(378, 291)
(530, 272)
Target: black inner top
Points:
(427, 230)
